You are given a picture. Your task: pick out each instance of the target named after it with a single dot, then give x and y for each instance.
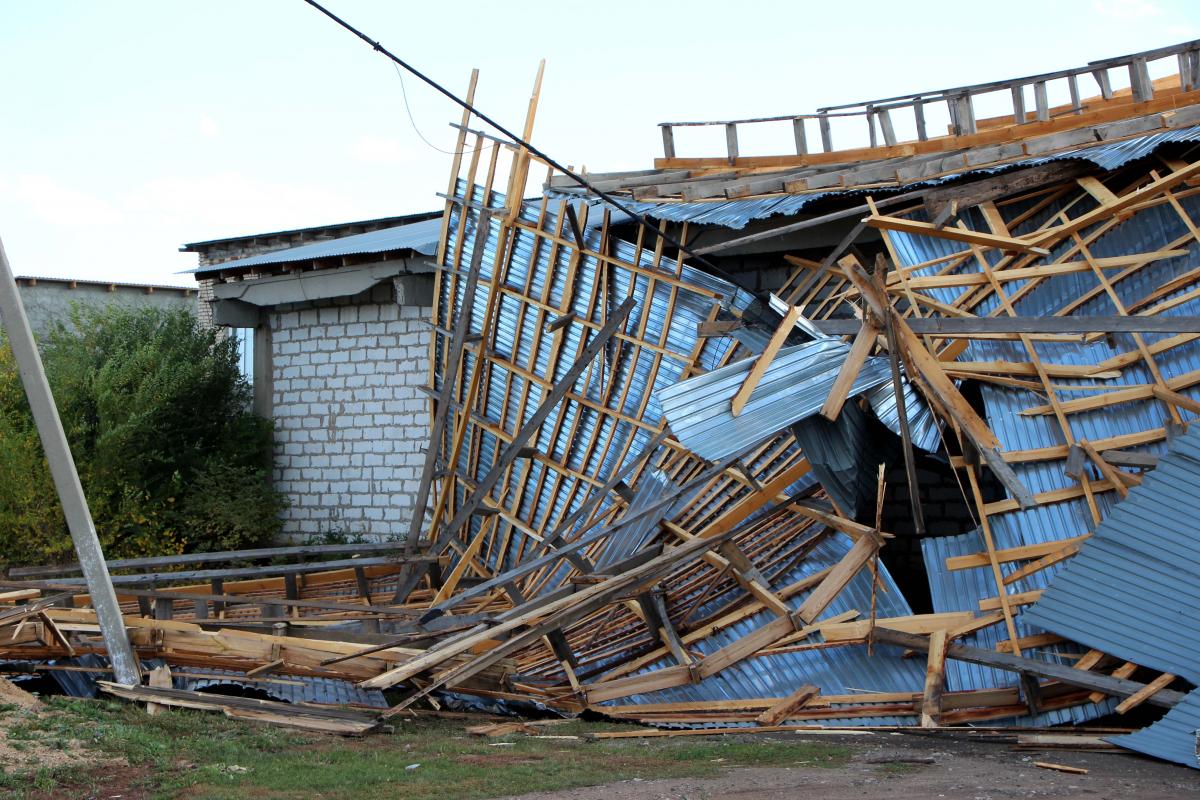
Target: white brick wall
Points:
(350, 422)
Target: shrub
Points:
(157, 414)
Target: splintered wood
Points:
(571, 550)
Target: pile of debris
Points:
(669, 409)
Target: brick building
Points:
(51, 300)
(336, 318)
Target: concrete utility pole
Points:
(66, 479)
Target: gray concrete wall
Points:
(47, 302)
(350, 422)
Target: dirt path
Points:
(891, 767)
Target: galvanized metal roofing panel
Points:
(421, 237)
(289, 689)
(794, 386)
(1174, 737)
(663, 312)
(924, 427)
(1134, 588)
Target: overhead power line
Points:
(517, 140)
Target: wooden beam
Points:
(764, 359)
(853, 364)
(1118, 687)
(779, 712)
(1008, 243)
(935, 680)
(1137, 698)
(966, 326)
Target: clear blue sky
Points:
(129, 127)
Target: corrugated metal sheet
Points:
(737, 214)
(1173, 737)
(421, 237)
(1134, 588)
(924, 427)
(794, 386)
(838, 453)
(288, 689)
(663, 312)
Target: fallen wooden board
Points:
(329, 720)
(1061, 767)
(1119, 687)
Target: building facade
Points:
(339, 323)
(51, 300)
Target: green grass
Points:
(208, 757)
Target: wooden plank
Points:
(965, 326)
(917, 623)
(1137, 698)
(841, 574)
(1061, 767)
(1176, 399)
(859, 350)
(780, 711)
(1008, 243)
(1106, 469)
(764, 359)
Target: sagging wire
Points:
(412, 121)
(583, 182)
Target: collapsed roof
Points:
(657, 475)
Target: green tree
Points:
(158, 418)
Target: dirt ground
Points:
(891, 765)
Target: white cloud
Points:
(1127, 9)
(230, 203)
(46, 198)
(208, 127)
(381, 150)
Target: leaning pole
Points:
(66, 479)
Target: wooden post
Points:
(885, 126)
(1139, 81)
(964, 115)
(66, 479)
(1102, 80)
(935, 680)
(164, 608)
(731, 142)
(218, 587)
(801, 137)
(1018, 101)
(1041, 102)
(919, 115)
(668, 137)
(826, 134)
(1073, 86)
